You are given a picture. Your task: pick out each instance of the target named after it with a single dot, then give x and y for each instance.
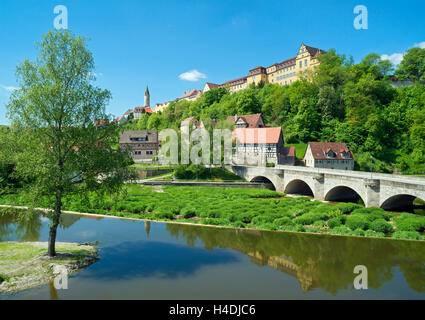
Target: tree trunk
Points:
(54, 227)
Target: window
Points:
(301, 64)
(305, 62)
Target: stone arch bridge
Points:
(387, 191)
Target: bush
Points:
(188, 213)
(319, 223)
(284, 221)
(347, 208)
(359, 232)
(267, 226)
(372, 214)
(333, 223)
(413, 235)
(310, 218)
(371, 233)
(357, 222)
(380, 225)
(341, 230)
(238, 224)
(409, 222)
(299, 228)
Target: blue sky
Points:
(137, 43)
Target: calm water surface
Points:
(165, 261)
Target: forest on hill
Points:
(354, 103)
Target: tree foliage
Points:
(57, 148)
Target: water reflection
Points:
(143, 259)
(318, 261)
(26, 225)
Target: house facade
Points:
(264, 144)
(329, 155)
(143, 144)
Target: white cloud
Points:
(9, 88)
(395, 58)
(420, 45)
(192, 76)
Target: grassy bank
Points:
(245, 208)
(26, 265)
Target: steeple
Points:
(147, 98)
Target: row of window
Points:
(333, 161)
(138, 153)
(289, 75)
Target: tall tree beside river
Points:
(58, 148)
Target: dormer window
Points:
(330, 154)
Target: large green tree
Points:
(412, 67)
(58, 148)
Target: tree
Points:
(412, 67)
(59, 149)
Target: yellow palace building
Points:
(283, 73)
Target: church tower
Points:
(147, 98)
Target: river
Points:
(150, 260)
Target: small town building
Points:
(263, 143)
(209, 86)
(191, 95)
(143, 144)
(248, 121)
(330, 155)
(139, 111)
(160, 107)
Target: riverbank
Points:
(25, 265)
(259, 209)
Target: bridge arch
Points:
(399, 201)
(262, 179)
(300, 187)
(343, 194)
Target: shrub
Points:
(299, 228)
(238, 224)
(347, 208)
(371, 233)
(380, 225)
(284, 221)
(246, 217)
(409, 222)
(357, 222)
(333, 223)
(372, 214)
(407, 235)
(188, 213)
(263, 219)
(215, 222)
(310, 218)
(319, 223)
(341, 230)
(359, 232)
(267, 226)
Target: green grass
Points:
(245, 208)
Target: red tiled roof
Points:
(251, 120)
(128, 112)
(212, 85)
(242, 79)
(189, 94)
(320, 149)
(257, 135)
(288, 152)
(314, 51)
